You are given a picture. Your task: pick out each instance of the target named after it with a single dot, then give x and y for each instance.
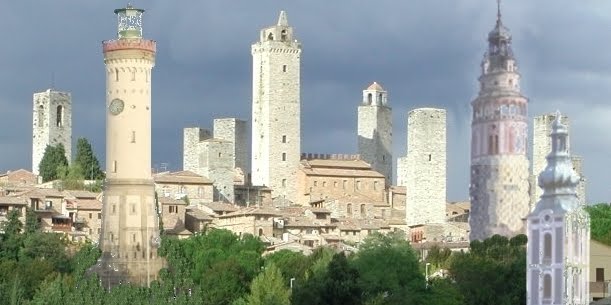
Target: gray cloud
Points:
(425, 53)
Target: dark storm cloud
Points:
(425, 53)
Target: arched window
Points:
(260, 232)
(270, 36)
(547, 286)
(59, 119)
(283, 35)
(547, 248)
(380, 98)
(363, 211)
(369, 98)
(41, 115)
(349, 209)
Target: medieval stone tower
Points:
(558, 232)
(130, 227)
(499, 187)
(375, 130)
(276, 130)
(425, 167)
(51, 124)
(542, 146)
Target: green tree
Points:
(53, 158)
(341, 284)
(31, 222)
(291, 264)
(11, 240)
(87, 161)
(493, 272)
(269, 288)
(600, 222)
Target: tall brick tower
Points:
(51, 124)
(130, 227)
(375, 130)
(499, 188)
(276, 114)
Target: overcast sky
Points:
(424, 52)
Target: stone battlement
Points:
(129, 44)
(312, 156)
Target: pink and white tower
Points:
(558, 232)
(499, 187)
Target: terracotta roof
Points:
(178, 231)
(86, 204)
(199, 214)
(293, 210)
(83, 194)
(220, 206)
(170, 200)
(186, 177)
(44, 192)
(354, 198)
(375, 86)
(339, 171)
(398, 189)
(305, 222)
(13, 200)
(253, 211)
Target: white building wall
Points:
(276, 131)
(426, 167)
(51, 124)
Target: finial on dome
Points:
(498, 12)
(282, 19)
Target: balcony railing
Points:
(600, 287)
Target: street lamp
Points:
(426, 274)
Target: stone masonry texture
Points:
(51, 124)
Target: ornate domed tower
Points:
(130, 227)
(558, 232)
(499, 187)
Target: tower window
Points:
(283, 182)
(547, 248)
(349, 209)
(41, 115)
(133, 74)
(284, 68)
(270, 36)
(430, 156)
(547, 286)
(369, 98)
(59, 119)
(375, 185)
(114, 166)
(116, 74)
(380, 98)
(363, 211)
(284, 139)
(220, 154)
(283, 156)
(283, 35)
(133, 137)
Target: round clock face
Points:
(116, 106)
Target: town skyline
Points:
(199, 77)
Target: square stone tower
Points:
(276, 113)
(425, 167)
(192, 136)
(542, 146)
(235, 131)
(375, 130)
(51, 124)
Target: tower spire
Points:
(498, 12)
(282, 19)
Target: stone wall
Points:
(191, 138)
(217, 164)
(235, 131)
(426, 166)
(51, 124)
(276, 126)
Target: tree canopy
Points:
(600, 222)
(87, 162)
(53, 158)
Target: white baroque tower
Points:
(130, 227)
(375, 130)
(499, 187)
(51, 124)
(542, 146)
(558, 232)
(276, 114)
(425, 167)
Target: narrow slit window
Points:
(133, 137)
(116, 74)
(284, 68)
(114, 166)
(430, 156)
(133, 74)
(284, 139)
(283, 156)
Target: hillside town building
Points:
(499, 189)
(51, 124)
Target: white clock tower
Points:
(130, 227)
